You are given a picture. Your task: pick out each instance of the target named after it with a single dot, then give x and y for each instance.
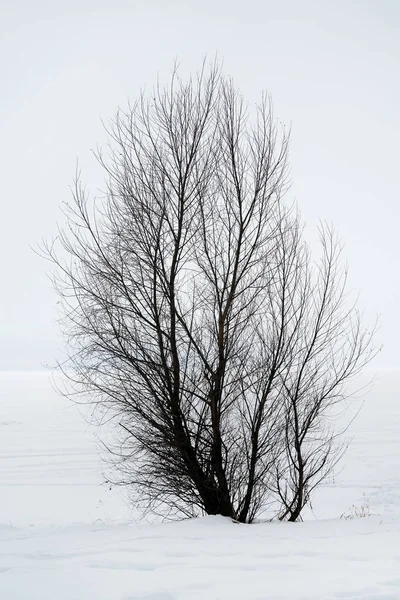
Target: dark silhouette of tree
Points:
(193, 310)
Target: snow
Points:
(65, 535)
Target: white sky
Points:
(332, 68)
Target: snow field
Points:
(64, 535)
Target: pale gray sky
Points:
(332, 68)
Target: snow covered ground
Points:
(64, 535)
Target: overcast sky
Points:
(331, 66)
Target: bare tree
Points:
(193, 311)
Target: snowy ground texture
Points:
(66, 536)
